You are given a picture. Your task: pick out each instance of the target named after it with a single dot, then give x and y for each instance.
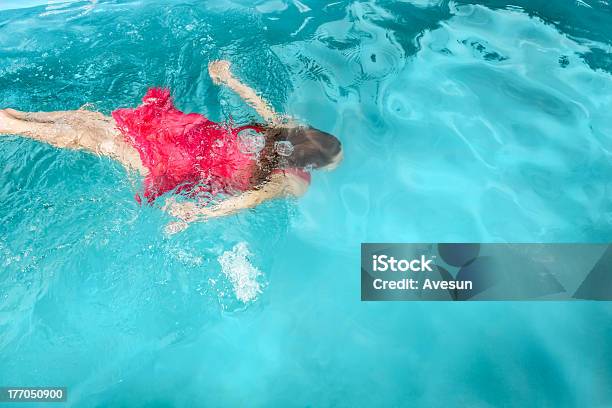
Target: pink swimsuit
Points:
(183, 150)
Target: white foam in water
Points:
(241, 273)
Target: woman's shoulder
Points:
(294, 181)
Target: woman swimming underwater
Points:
(189, 154)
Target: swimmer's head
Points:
(305, 147)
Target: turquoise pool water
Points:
(461, 122)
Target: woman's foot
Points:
(40, 117)
(8, 123)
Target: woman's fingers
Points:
(186, 211)
(175, 227)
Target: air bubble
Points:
(284, 148)
(250, 141)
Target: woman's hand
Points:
(185, 211)
(219, 71)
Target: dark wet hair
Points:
(312, 148)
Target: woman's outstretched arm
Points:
(220, 73)
(190, 211)
(279, 185)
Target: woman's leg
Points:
(80, 129)
(47, 117)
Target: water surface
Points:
(468, 122)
